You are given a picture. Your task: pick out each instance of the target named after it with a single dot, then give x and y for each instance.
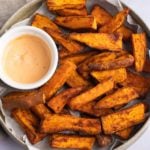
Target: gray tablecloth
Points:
(8, 7)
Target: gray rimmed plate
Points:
(27, 11)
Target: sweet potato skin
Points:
(147, 66)
(77, 22)
(41, 21)
(90, 110)
(66, 42)
(40, 110)
(62, 73)
(54, 5)
(29, 123)
(139, 50)
(83, 68)
(118, 75)
(121, 96)
(115, 23)
(100, 41)
(58, 102)
(120, 62)
(57, 122)
(72, 12)
(22, 99)
(91, 94)
(123, 119)
(72, 141)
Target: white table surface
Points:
(142, 8)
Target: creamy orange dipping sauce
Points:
(26, 59)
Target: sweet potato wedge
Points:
(104, 140)
(118, 75)
(58, 79)
(120, 62)
(91, 94)
(100, 41)
(72, 12)
(63, 53)
(125, 134)
(22, 99)
(139, 50)
(90, 110)
(57, 122)
(66, 42)
(72, 141)
(41, 21)
(64, 4)
(116, 22)
(29, 123)
(101, 15)
(58, 102)
(78, 58)
(40, 110)
(75, 80)
(123, 119)
(77, 22)
(83, 68)
(126, 32)
(121, 96)
(136, 80)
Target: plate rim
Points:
(9, 23)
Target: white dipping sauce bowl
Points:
(28, 30)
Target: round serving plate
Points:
(26, 11)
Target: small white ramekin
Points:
(28, 30)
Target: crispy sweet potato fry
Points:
(79, 58)
(59, 78)
(64, 4)
(29, 123)
(41, 21)
(40, 110)
(57, 122)
(22, 99)
(89, 109)
(116, 22)
(83, 68)
(125, 134)
(136, 80)
(126, 32)
(139, 50)
(118, 75)
(58, 102)
(104, 140)
(72, 12)
(72, 141)
(123, 119)
(101, 15)
(100, 41)
(91, 94)
(120, 62)
(119, 97)
(71, 46)
(77, 22)
(75, 80)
